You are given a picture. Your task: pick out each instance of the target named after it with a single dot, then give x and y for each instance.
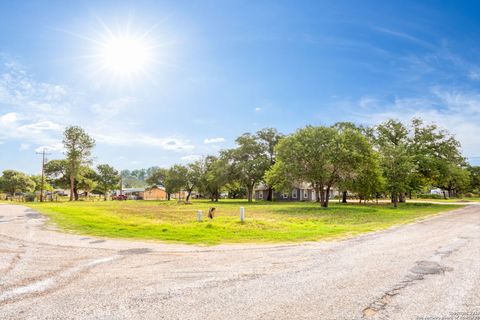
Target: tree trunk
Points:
(168, 196)
(75, 193)
(327, 197)
(250, 193)
(410, 195)
(344, 197)
(270, 194)
(402, 197)
(188, 196)
(322, 197)
(395, 199)
(317, 194)
(72, 186)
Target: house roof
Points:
(132, 189)
(155, 187)
(301, 185)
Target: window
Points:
(285, 196)
(260, 195)
(305, 195)
(294, 194)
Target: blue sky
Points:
(222, 68)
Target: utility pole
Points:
(43, 173)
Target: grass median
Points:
(265, 221)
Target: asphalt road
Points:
(427, 269)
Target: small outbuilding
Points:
(155, 193)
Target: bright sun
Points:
(124, 55)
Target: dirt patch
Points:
(427, 267)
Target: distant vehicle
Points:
(120, 197)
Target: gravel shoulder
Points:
(428, 268)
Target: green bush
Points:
(429, 196)
(30, 197)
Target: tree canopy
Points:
(107, 179)
(391, 159)
(13, 181)
(78, 148)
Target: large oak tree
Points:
(78, 149)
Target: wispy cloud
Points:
(441, 64)
(127, 139)
(214, 140)
(16, 126)
(24, 146)
(113, 108)
(191, 158)
(36, 110)
(456, 110)
(55, 147)
(39, 111)
(405, 36)
(20, 90)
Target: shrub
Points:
(429, 196)
(30, 197)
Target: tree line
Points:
(74, 172)
(392, 159)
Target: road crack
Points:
(417, 273)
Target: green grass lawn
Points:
(466, 200)
(265, 222)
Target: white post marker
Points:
(199, 215)
(242, 214)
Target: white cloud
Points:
(8, 119)
(474, 74)
(191, 158)
(39, 111)
(113, 107)
(404, 36)
(455, 110)
(35, 111)
(126, 139)
(56, 147)
(367, 102)
(16, 126)
(24, 146)
(258, 109)
(18, 89)
(214, 140)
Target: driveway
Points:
(427, 269)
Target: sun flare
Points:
(125, 55)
